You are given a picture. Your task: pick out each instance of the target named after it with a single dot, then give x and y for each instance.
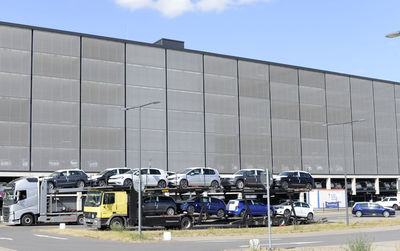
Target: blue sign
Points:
(333, 204)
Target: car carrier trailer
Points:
(27, 201)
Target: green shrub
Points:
(359, 243)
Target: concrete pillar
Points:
(328, 183)
(79, 206)
(353, 186)
(377, 186)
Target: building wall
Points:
(62, 95)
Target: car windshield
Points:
(284, 174)
(240, 172)
(184, 171)
(104, 172)
(286, 203)
(54, 174)
(385, 199)
(93, 199)
(8, 197)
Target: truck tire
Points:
(186, 223)
(239, 184)
(27, 220)
(80, 220)
(117, 222)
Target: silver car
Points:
(196, 176)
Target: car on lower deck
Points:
(302, 210)
(159, 205)
(371, 209)
(213, 206)
(257, 208)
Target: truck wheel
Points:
(190, 209)
(184, 183)
(395, 207)
(80, 220)
(128, 183)
(221, 213)
(170, 211)
(116, 223)
(27, 220)
(102, 183)
(386, 214)
(50, 186)
(286, 213)
(80, 184)
(186, 223)
(162, 184)
(239, 184)
(285, 185)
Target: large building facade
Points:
(62, 95)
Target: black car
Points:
(294, 179)
(101, 179)
(67, 178)
(244, 178)
(159, 205)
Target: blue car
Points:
(371, 209)
(214, 206)
(257, 208)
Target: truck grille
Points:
(6, 214)
(90, 215)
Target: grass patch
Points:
(359, 243)
(132, 236)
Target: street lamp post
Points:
(139, 107)
(344, 161)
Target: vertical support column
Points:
(302, 197)
(377, 186)
(353, 186)
(398, 188)
(328, 183)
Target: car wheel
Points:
(221, 213)
(80, 184)
(117, 222)
(285, 185)
(286, 213)
(184, 183)
(310, 216)
(214, 184)
(50, 186)
(359, 214)
(386, 214)
(80, 220)
(162, 184)
(128, 183)
(102, 183)
(27, 220)
(309, 186)
(170, 211)
(190, 209)
(395, 207)
(239, 184)
(186, 223)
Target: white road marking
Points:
(51, 237)
(6, 238)
(288, 243)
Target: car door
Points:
(294, 179)
(144, 173)
(253, 209)
(62, 179)
(260, 179)
(154, 177)
(298, 209)
(195, 177)
(250, 177)
(208, 176)
(108, 174)
(149, 205)
(260, 208)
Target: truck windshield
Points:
(93, 199)
(9, 197)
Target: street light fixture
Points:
(344, 162)
(393, 35)
(139, 107)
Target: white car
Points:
(196, 176)
(151, 177)
(302, 209)
(389, 202)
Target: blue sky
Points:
(346, 36)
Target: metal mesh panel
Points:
(102, 50)
(15, 38)
(55, 43)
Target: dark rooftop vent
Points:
(171, 44)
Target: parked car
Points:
(196, 176)
(213, 206)
(244, 178)
(257, 208)
(302, 209)
(159, 205)
(389, 202)
(67, 178)
(151, 177)
(294, 179)
(101, 179)
(371, 209)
